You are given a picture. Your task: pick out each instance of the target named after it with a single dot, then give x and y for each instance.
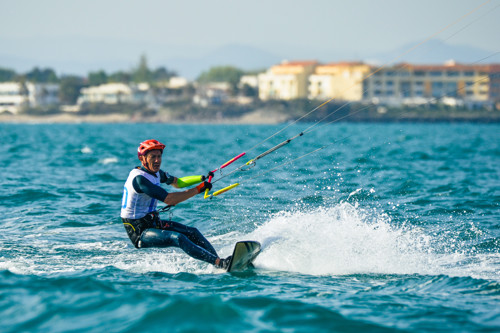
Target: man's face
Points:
(152, 160)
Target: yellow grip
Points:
(216, 193)
(225, 189)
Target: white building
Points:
(14, 96)
(212, 93)
(43, 94)
(110, 93)
(249, 80)
(117, 93)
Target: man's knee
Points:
(159, 238)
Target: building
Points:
(212, 93)
(342, 81)
(249, 80)
(288, 80)
(109, 93)
(14, 96)
(408, 84)
(43, 94)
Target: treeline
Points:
(141, 73)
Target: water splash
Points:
(345, 239)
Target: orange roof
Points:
(299, 63)
(345, 63)
(444, 67)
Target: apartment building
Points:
(393, 85)
(342, 81)
(288, 80)
(406, 82)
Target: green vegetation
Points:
(46, 75)
(228, 74)
(141, 73)
(37, 75)
(7, 75)
(70, 89)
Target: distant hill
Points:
(435, 52)
(79, 55)
(240, 56)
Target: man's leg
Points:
(193, 234)
(167, 238)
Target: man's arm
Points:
(174, 198)
(143, 185)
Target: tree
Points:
(97, 78)
(38, 75)
(7, 75)
(162, 74)
(120, 76)
(142, 72)
(228, 74)
(69, 89)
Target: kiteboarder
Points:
(141, 219)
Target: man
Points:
(142, 221)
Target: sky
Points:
(103, 33)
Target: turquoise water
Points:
(392, 227)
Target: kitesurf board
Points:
(243, 254)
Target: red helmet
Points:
(148, 145)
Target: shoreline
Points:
(258, 117)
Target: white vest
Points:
(137, 205)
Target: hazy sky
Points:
(355, 27)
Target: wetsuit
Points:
(142, 221)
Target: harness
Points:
(135, 227)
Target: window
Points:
(451, 89)
(437, 89)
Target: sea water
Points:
(387, 227)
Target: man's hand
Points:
(210, 174)
(204, 186)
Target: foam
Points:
(345, 239)
(341, 239)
